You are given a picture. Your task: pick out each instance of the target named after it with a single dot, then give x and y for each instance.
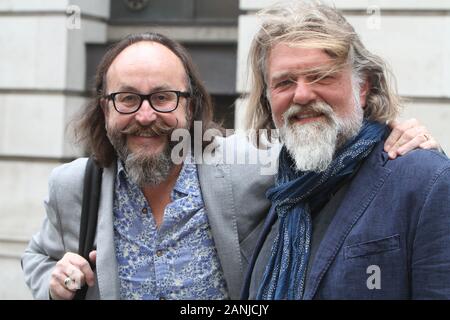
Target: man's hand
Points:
(70, 274)
(406, 136)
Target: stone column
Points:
(42, 85)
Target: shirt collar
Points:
(121, 175)
(187, 182)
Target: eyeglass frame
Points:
(144, 97)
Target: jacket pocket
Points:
(372, 247)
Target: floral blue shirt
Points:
(176, 261)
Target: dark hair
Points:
(90, 128)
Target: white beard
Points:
(313, 145)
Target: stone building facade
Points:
(49, 50)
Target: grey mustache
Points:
(155, 129)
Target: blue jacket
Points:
(390, 236)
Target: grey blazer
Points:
(234, 197)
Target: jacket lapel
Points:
(218, 198)
(106, 267)
(362, 190)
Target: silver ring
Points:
(67, 282)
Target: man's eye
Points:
(283, 83)
(127, 98)
(321, 78)
(161, 97)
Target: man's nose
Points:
(304, 92)
(146, 115)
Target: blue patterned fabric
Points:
(176, 261)
(294, 196)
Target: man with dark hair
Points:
(166, 229)
(346, 221)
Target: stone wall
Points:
(42, 84)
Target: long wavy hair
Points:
(314, 25)
(89, 127)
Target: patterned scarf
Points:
(295, 195)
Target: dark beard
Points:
(144, 169)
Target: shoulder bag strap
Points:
(89, 214)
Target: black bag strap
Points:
(89, 214)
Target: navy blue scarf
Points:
(295, 195)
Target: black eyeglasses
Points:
(160, 101)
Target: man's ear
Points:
(191, 106)
(104, 106)
(364, 92)
(190, 110)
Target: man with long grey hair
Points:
(347, 221)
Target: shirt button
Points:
(144, 210)
(159, 253)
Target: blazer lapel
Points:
(218, 198)
(362, 190)
(106, 267)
